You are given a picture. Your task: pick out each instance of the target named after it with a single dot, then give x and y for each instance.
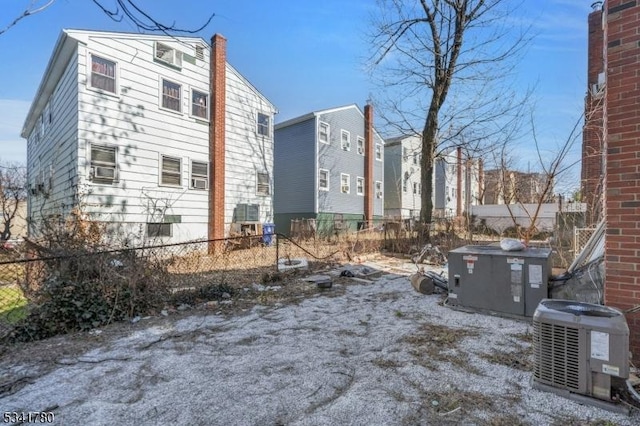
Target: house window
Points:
(323, 132)
(405, 182)
(415, 159)
(171, 171)
(378, 189)
(199, 175)
(378, 152)
(104, 167)
(345, 138)
(171, 95)
(360, 185)
(158, 230)
(323, 179)
(415, 188)
(199, 104)
(263, 184)
(405, 153)
(103, 74)
(345, 186)
(263, 124)
(360, 145)
(168, 55)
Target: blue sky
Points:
(303, 55)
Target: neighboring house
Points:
(509, 187)
(457, 184)
(17, 224)
(329, 168)
(453, 192)
(402, 177)
(156, 135)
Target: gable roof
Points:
(318, 113)
(65, 48)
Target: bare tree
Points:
(121, 10)
(13, 193)
(442, 62)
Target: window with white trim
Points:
(415, 188)
(199, 104)
(167, 54)
(415, 158)
(323, 132)
(360, 185)
(171, 95)
(345, 183)
(104, 164)
(159, 230)
(263, 187)
(360, 145)
(345, 140)
(378, 189)
(405, 182)
(264, 123)
(323, 179)
(405, 153)
(199, 175)
(170, 171)
(103, 74)
(378, 152)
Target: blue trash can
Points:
(268, 229)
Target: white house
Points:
(456, 180)
(402, 177)
(157, 134)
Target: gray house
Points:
(328, 168)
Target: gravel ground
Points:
(375, 353)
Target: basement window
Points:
(159, 230)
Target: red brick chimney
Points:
(593, 134)
(217, 76)
(369, 155)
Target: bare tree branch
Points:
(32, 9)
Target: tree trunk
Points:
(429, 143)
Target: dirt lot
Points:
(363, 352)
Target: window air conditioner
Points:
(199, 183)
(345, 189)
(104, 173)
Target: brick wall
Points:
(217, 136)
(592, 136)
(622, 177)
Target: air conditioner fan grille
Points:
(556, 355)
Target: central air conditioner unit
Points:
(581, 351)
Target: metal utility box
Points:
(489, 278)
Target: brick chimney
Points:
(592, 136)
(217, 77)
(368, 164)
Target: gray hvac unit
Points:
(489, 278)
(580, 349)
